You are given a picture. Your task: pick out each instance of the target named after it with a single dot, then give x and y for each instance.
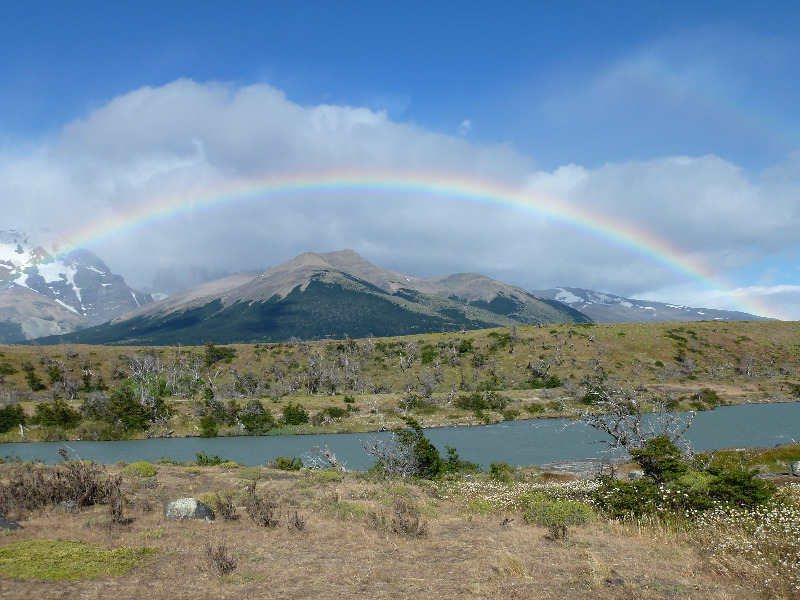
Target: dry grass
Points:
(462, 554)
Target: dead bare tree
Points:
(630, 419)
(394, 458)
(327, 455)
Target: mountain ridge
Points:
(328, 295)
(71, 290)
(610, 308)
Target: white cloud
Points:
(176, 142)
(465, 128)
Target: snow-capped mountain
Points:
(78, 281)
(608, 308)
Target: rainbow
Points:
(448, 187)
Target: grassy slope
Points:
(741, 361)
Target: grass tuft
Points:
(66, 559)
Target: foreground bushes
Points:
(557, 515)
(73, 483)
(671, 487)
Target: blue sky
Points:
(677, 118)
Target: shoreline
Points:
(340, 427)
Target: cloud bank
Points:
(175, 142)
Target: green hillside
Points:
(361, 384)
(322, 310)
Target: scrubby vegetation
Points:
(508, 533)
(475, 377)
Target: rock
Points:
(637, 474)
(9, 525)
(67, 506)
(585, 468)
(188, 508)
(794, 468)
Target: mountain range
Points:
(44, 291)
(74, 297)
(331, 295)
(608, 308)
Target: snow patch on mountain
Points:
(74, 279)
(608, 308)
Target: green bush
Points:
(333, 413)
(501, 471)
(11, 416)
(139, 469)
(288, 464)
(328, 476)
(34, 381)
(479, 506)
(537, 383)
(208, 427)
(671, 488)
(557, 515)
(660, 459)
(593, 395)
(215, 354)
(740, 487)
(455, 464)
(481, 401)
(255, 418)
(346, 511)
(56, 414)
(125, 408)
(534, 409)
(7, 369)
(250, 474)
(621, 499)
(294, 414)
(204, 460)
(428, 462)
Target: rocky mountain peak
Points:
(77, 280)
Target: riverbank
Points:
(529, 442)
(371, 414)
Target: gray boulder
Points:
(9, 525)
(188, 508)
(794, 468)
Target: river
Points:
(527, 442)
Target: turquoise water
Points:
(530, 442)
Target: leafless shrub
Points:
(226, 507)
(406, 521)
(262, 509)
(295, 522)
(75, 483)
(403, 521)
(219, 559)
(322, 459)
(116, 499)
(394, 458)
